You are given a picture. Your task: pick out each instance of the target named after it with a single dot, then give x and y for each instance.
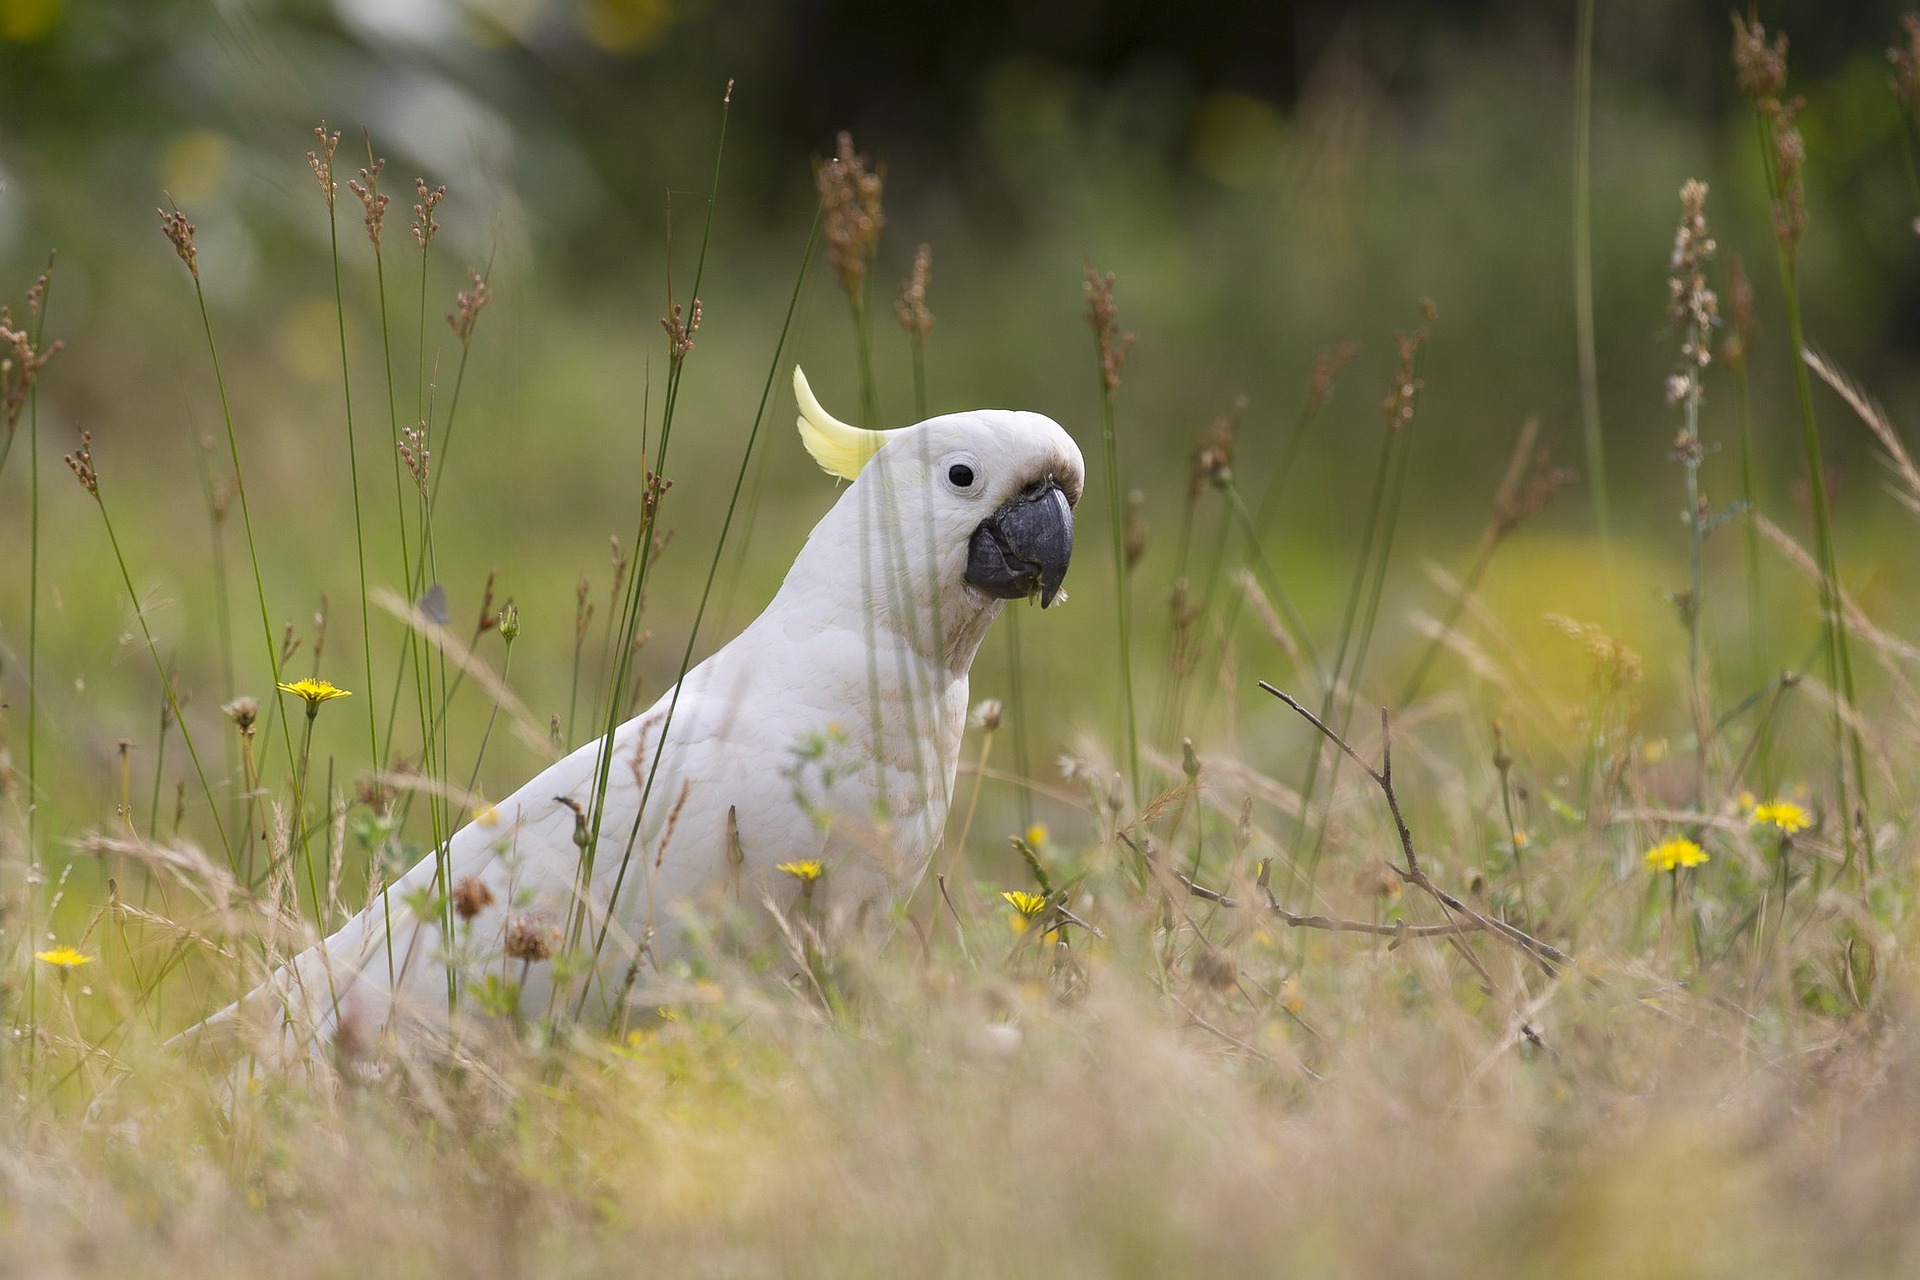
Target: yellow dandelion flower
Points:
(1037, 834)
(1521, 839)
(1784, 816)
(63, 957)
(314, 692)
(487, 816)
(1677, 852)
(805, 872)
(1027, 904)
(1747, 801)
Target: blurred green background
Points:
(1264, 179)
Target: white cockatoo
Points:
(828, 732)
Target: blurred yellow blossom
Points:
(1677, 852)
(805, 872)
(63, 957)
(1783, 815)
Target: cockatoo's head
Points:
(988, 494)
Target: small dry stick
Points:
(1545, 954)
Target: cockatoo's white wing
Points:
(828, 731)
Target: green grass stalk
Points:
(185, 247)
(1583, 295)
(652, 491)
(1847, 744)
(33, 689)
(1756, 586)
(160, 669)
(1382, 475)
(159, 768)
(374, 754)
(1123, 612)
(1370, 572)
(713, 565)
(223, 613)
(1848, 748)
(509, 631)
(1111, 347)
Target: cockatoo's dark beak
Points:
(1024, 547)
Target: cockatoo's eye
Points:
(963, 474)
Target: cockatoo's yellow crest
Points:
(840, 448)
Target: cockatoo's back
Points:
(827, 732)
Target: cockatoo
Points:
(824, 737)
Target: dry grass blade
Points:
(1869, 411)
(180, 862)
(1892, 650)
(533, 734)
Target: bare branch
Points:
(1546, 955)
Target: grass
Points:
(1459, 1006)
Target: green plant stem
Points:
(1847, 744)
(1283, 468)
(919, 378)
(1016, 716)
(153, 650)
(1909, 145)
(1583, 295)
(1839, 659)
(1121, 602)
(1756, 594)
(223, 613)
(446, 430)
(1699, 697)
(306, 844)
(630, 621)
(246, 522)
(869, 385)
(493, 714)
(1382, 475)
(706, 591)
(1513, 842)
(33, 698)
(374, 754)
(159, 768)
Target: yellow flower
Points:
(1027, 904)
(1026, 907)
(1521, 839)
(1747, 802)
(1783, 815)
(314, 691)
(64, 957)
(487, 816)
(1677, 852)
(1037, 834)
(805, 872)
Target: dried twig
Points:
(1545, 954)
